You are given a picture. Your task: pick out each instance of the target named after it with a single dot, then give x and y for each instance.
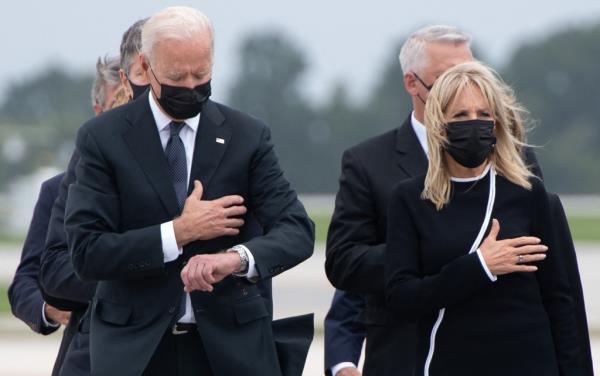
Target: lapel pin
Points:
(220, 140)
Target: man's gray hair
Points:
(174, 23)
(412, 54)
(131, 45)
(107, 76)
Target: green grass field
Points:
(582, 228)
(585, 228)
(4, 306)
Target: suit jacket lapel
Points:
(212, 139)
(411, 157)
(144, 142)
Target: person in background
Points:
(106, 83)
(28, 303)
(356, 236)
(57, 278)
(131, 74)
(24, 295)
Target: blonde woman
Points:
(498, 305)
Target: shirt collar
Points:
(162, 121)
(420, 131)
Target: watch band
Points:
(241, 251)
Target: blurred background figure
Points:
(24, 293)
(106, 84)
(57, 276)
(357, 233)
(133, 80)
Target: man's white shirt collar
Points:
(420, 131)
(163, 121)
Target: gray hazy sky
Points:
(344, 40)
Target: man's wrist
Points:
(340, 366)
(46, 321)
(179, 228)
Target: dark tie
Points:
(175, 152)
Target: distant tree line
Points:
(555, 78)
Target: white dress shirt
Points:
(45, 321)
(420, 131)
(169, 244)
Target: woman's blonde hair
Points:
(508, 119)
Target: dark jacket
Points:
(114, 210)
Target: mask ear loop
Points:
(428, 87)
(150, 83)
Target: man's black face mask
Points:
(470, 142)
(182, 102)
(137, 89)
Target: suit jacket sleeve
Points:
(289, 232)
(26, 300)
(99, 249)
(411, 293)
(344, 331)
(57, 275)
(354, 252)
(555, 287)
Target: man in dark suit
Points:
(157, 215)
(24, 294)
(357, 233)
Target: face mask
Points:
(471, 141)
(181, 102)
(137, 89)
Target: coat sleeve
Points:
(344, 330)
(289, 233)
(354, 253)
(554, 285)
(99, 250)
(409, 291)
(24, 294)
(569, 259)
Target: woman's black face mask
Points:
(470, 142)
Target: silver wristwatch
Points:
(241, 251)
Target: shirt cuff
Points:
(338, 367)
(492, 277)
(47, 322)
(169, 244)
(252, 272)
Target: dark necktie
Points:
(175, 152)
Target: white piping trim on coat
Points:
(484, 225)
